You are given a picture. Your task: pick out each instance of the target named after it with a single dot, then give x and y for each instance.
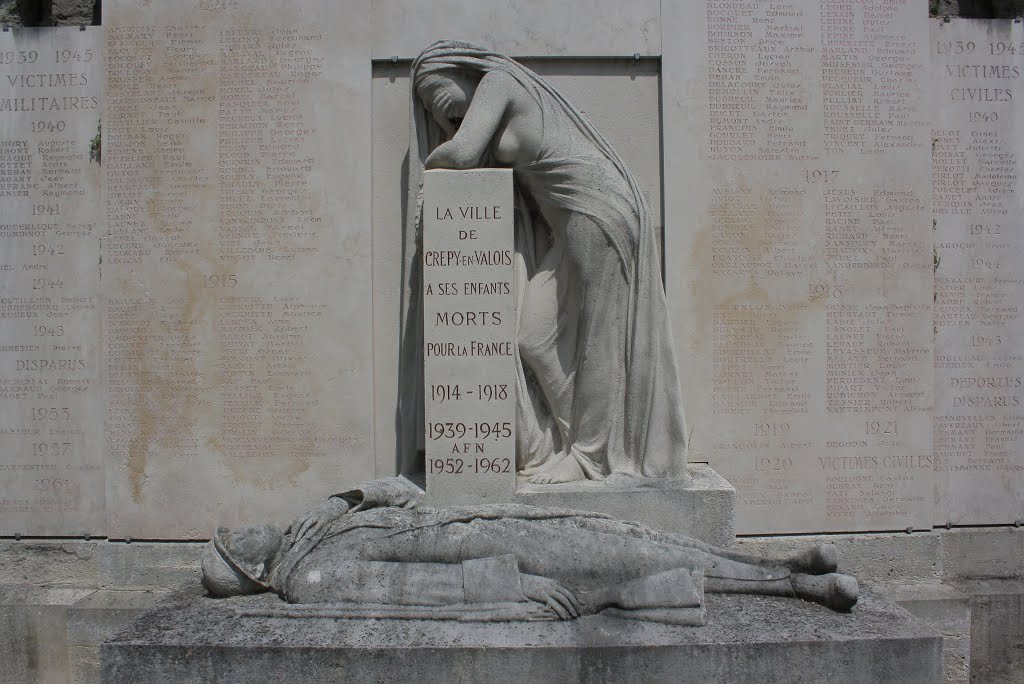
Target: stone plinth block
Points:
(34, 632)
(746, 639)
(704, 507)
(469, 335)
(95, 618)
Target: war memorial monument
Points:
(512, 340)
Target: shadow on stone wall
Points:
(50, 12)
(977, 9)
(995, 9)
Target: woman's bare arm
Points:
(466, 149)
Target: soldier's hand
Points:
(313, 521)
(556, 598)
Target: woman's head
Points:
(447, 94)
(445, 76)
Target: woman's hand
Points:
(313, 521)
(556, 598)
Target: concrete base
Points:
(705, 508)
(97, 617)
(985, 565)
(34, 633)
(947, 610)
(746, 639)
(997, 630)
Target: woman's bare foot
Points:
(817, 560)
(565, 470)
(833, 590)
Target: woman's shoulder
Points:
(498, 77)
(499, 82)
(501, 86)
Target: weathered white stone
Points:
(619, 97)
(469, 335)
(979, 270)
(376, 552)
(237, 270)
(524, 28)
(798, 246)
(597, 384)
(51, 396)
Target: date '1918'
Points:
(442, 393)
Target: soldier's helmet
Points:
(238, 562)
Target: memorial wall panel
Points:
(798, 255)
(977, 85)
(247, 359)
(237, 275)
(51, 394)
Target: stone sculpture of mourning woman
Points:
(597, 381)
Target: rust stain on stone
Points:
(166, 349)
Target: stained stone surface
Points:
(977, 67)
(523, 28)
(51, 396)
(237, 269)
(798, 234)
(746, 639)
(469, 336)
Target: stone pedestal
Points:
(704, 508)
(746, 639)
